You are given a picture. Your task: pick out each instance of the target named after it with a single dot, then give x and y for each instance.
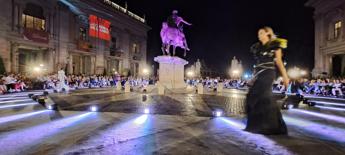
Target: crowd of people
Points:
(10, 83)
(334, 87)
(92, 81)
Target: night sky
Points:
(226, 28)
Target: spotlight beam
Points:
(17, 105)
(328, 103)
(330, 108)
(20, 116)
(12, 101)
(325, 116)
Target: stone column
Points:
(81, 64)
(5, 53)
(343, 65)
(93, 64)
(49, 62)
(327, 64)
(70, 64)
(319, 36)
(143, 61)
(125, 44)
(14, 58)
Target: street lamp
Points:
(190, 73)
(146, 71)
(303, 73)
(37, 69)
(235, 73)
(294, 73)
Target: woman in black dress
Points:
(263, 113)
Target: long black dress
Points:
(263, 113)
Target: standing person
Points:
(61, 78)
(263, 113)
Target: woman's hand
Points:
(286, 82)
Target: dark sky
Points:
(226, 28)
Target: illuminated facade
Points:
(57, 34)
(329, 17)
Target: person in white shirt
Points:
(336, 88)
(61, 78)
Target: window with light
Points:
(337, 29)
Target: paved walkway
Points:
(181, 124)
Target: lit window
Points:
(135, 48)
(33, 22)
(82, 33)
(337, 29)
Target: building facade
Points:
(329, 17)
(81, 36)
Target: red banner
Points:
(99, 28)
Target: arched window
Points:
(32, 17)
(337, 28)
(135, 48)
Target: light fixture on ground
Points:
(218, 113)
(146, 111)
(52, 107)
(287, 106)
(93, 108)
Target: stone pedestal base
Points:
(171, 71)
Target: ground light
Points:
(146, 111)
(217, 113)
(52, 107)
(93, 108)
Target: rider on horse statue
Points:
(174, 21)
(172, 33)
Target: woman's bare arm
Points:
(281, 67)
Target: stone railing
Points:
(117, 52)
(84, 45)
(137, 56)
(36, 35)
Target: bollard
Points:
(127, 87)
(118, 85)
(200, 88)
(220, 87)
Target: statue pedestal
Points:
(171, 71)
